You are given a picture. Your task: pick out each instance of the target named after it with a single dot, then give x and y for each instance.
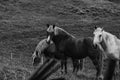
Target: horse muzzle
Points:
(36, 61)
(95, 46)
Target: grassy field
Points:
(23, 25)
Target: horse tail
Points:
(110, 69)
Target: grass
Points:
(23, 25)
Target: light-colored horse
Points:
(108, 43)
(38, 54)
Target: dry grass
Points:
(23, 24)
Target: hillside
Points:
(23, 25)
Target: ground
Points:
(23, 25)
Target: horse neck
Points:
(118, 41)
(61, 35)
(108, 40)
(60, 31)
(60, 38)
(103, 45)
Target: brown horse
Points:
(75, 48)
(48, 50)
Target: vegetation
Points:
(23, 25)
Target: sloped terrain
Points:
(23, 25)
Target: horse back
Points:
(74, 47)
(88, 42)
(51, 51)
(80, 46)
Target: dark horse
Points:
(48, 50)
(75, 48)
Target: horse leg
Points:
(77, 65)
(98, 65)
(116, 72)
(65, 64)
(81, 64)
(62, 66)
(110, 69)
(73, 62)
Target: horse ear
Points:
(53, 26)
(47, 25)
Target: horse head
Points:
(41, 50)
(36, 58)
(98, 36)
(50, 32)
(56, 34)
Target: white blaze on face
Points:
(48, 39)
(97, 36)
(95, 41)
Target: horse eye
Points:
(100, 36)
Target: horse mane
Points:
(109, 37)
(112, 43)
(61, 31)
(111, 62)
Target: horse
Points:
(47, 50)
(75, 48)
(109, 44)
